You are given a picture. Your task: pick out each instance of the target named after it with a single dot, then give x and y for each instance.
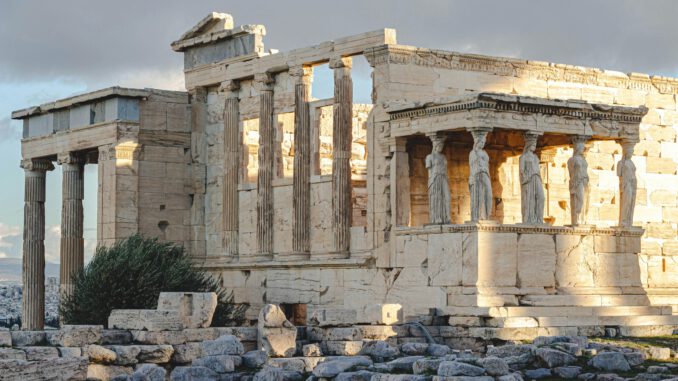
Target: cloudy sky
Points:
(53, 49)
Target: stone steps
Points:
(555, 311)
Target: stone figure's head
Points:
(530, 143)
(438, 143)
(627, 150)
(479, 139)
(579, 145)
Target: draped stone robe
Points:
(438, 189)
(531, 190)
(628, 184)
(579, 188)
(480, 185)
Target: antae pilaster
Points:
(342, 137)
(302, 159)
(33, 300)
(264, 84)
(72, 243)
(232, 145)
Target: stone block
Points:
(125, 354)
(186, 353)
(75, 335)
(107, 372)
(100, 355)
(115, 337)
(12, 354)
(342, 348)
(155, 354)
(661, 165)
(327, 317)
(159, 337)
(224, 345)
(372, 332)
(220, 364)
(536, 260)
(384, 313)
(5, 339)
(196, 309)
(27, 338)
(445, 259)
(40, 353)
(311, 350)
(277, 336)
(343, 333)
(150, 320)
(73, 368)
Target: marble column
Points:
(72, 242)
(232, 147)
(264, 82)
(400, 183)
(33, 275)
(342, 137)
(301, 240)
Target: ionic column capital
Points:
(302, 74)
(230, 88)
(37, 165)
(338, 62)
(264, 81)
(70, 158)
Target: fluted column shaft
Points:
(33, 275)
(266, 164)
(342, 137)
(231, 166)
(301, 239)
(72, 242)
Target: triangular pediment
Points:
(213, 22)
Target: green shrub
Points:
(131, 274)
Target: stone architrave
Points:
(301, 239)
(342, 138)
(480, 185)
(579, 181)
(33, 301)
(628, 184)
(531, 187)
(265, 83)
(72, 241)
(438, 183)
(232, 147)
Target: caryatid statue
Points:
(531, 189)
(579, 181)
(628, 184)
(479, 182)
(438, 183)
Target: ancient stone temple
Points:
(503, 192)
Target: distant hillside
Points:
(10, 270)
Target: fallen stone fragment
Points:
(332, 367)
(609, 377)
(361, 375)
(224, 345)
(71, 368)
(426, 366)
(455, 368)
(657, 369)
(659, 353)
(610, 361)
(567, 372)
(414, 349)
(634, 358)
(515, 376)
(100, 355)
(586, 376)
(517, 356)
(311, 350)
(379, 350)
(495, 366)
(149, 372)
(277, 336)
(254, 359)
(106, 372)
(69, 351)
(193, 373)
(536, 374)
(553, 358)
(125, 354)
(404, 364)
(186, 353)
(219, 364)
(399, 377)
(438, 350)
(270, 374)
(12, 354)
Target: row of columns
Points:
(72, 242)
(341, 169)
(532, 194)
